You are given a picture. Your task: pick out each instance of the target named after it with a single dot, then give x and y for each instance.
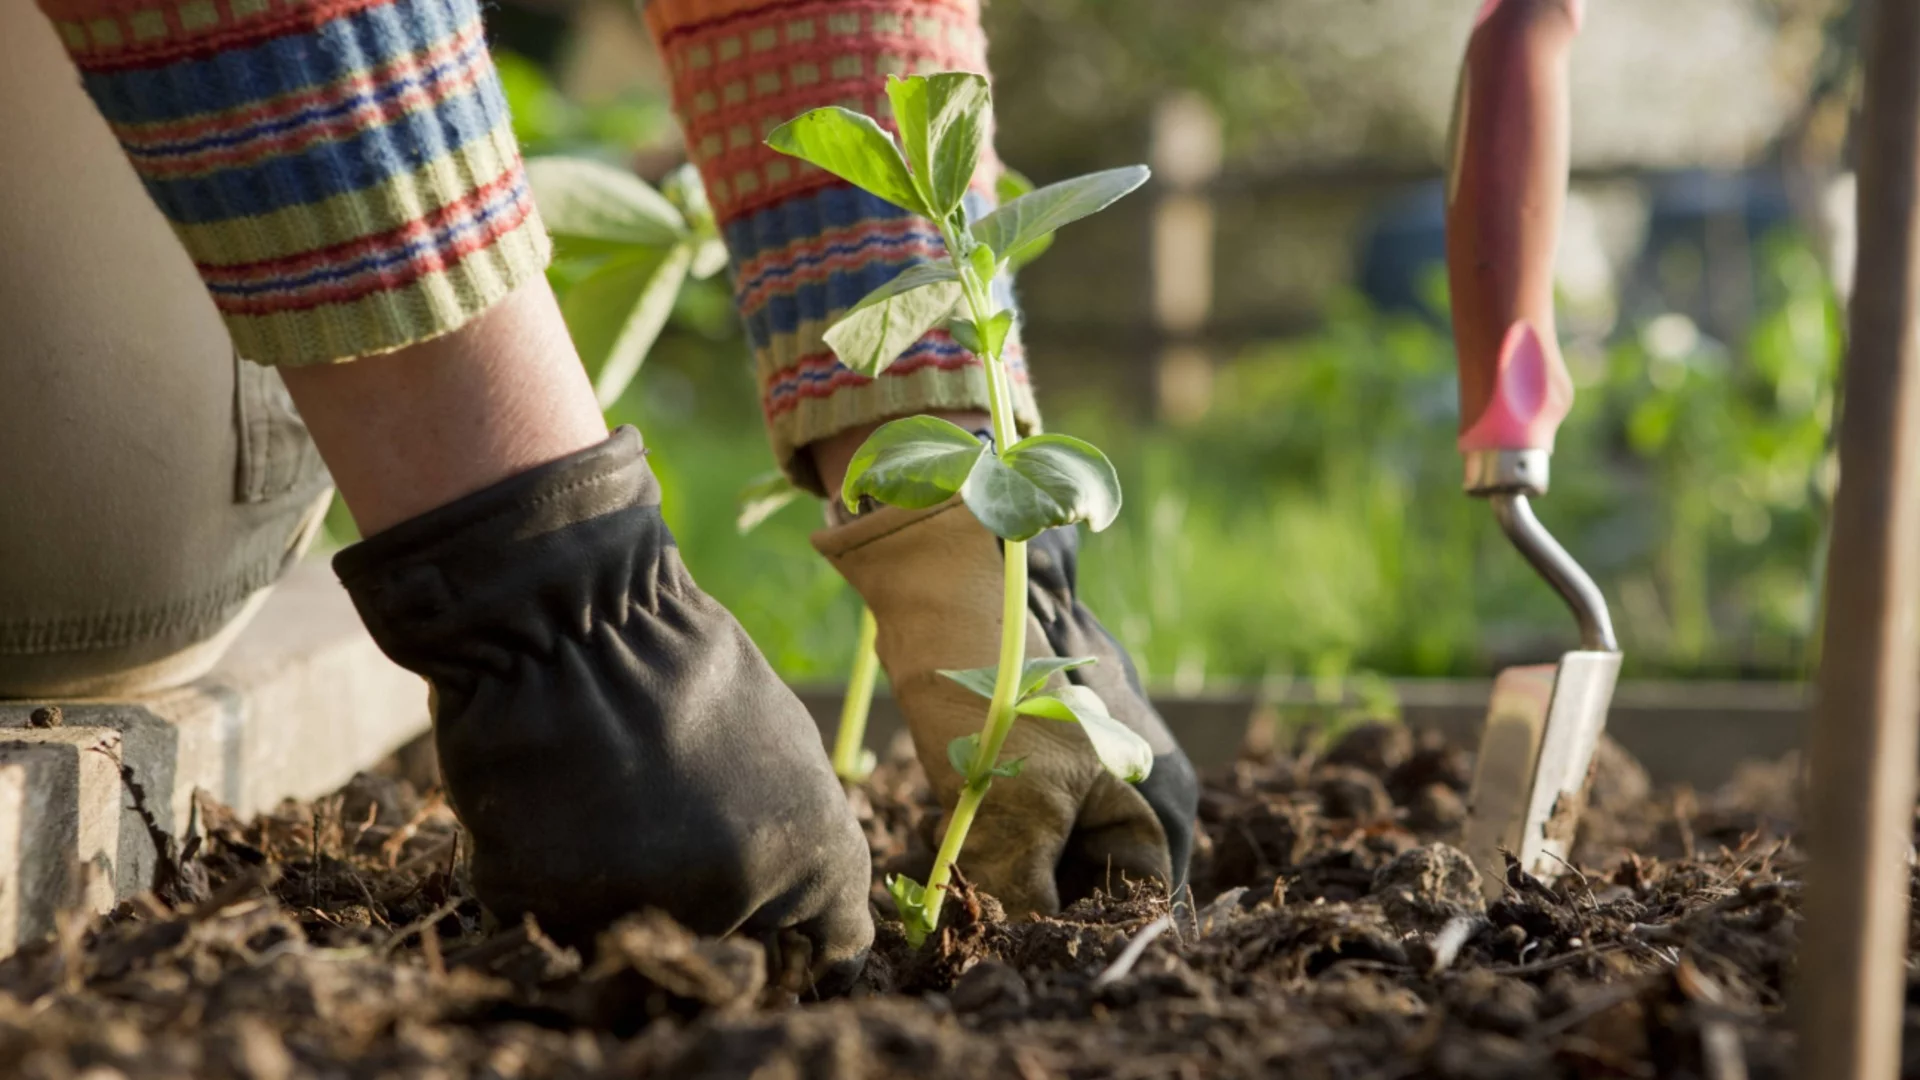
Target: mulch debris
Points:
(1329, 931)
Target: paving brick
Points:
(60, 822)
(13, 822)
(302, 702)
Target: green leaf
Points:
(997, 329)
(978, 680)
(962, 752)
(763, 497)
(684, 189)
(942, 122)
(853, 147)
(688, 194)
(1009, 187)
(961, 327)
(1121, 750)
(911, 113)
(644, 323)
(888, 320)
(959, 104)
(596, 306)
(1074, 473)
(1020, 257)
(1008, 769)
(981, 261)
(590, 200)
(912, 463)
(910, 900)
(709, 258)
(1034, 673)
(615, 314)
(1007, 503)
(917, 276)
(968, 335)
(1037, 670)
(1035, 215)
(1043, 481)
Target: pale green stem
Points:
(852, 736)
(1013, 616)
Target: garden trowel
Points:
(1506, 189)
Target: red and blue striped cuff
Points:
(806, 246)
(343, 172)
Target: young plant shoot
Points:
(624, 250)
(1016, 487)
(852, 761)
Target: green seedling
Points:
(1017, 487)
(639, 246)
(852, 761)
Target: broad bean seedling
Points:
(1017, 487)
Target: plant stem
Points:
(851, 739)
(1013, 607)
(1000, 717)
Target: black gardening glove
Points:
(607, 732)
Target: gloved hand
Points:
(607, 732)
(1064, 826)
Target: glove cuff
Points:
(932, 562)
(573, 538)
(845, 538)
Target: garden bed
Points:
(1329, 934)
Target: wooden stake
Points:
(1864, 746)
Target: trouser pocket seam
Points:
(275, 456)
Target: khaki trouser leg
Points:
(152, 485)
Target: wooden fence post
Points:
(1186, 159)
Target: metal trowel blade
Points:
(1530, 780)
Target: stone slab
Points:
(13, 827)
(302, 702)
(60, 817)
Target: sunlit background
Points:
(1259, 338)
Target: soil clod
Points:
(1424, 888)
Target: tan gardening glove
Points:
(1065, 826)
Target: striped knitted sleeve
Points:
(805, 245)
(341, 171)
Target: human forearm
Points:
(410, 431)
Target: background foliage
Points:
(1311, 524)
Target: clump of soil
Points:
(1329, 931)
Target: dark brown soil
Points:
(1330, 933)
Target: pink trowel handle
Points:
(1506, 189)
